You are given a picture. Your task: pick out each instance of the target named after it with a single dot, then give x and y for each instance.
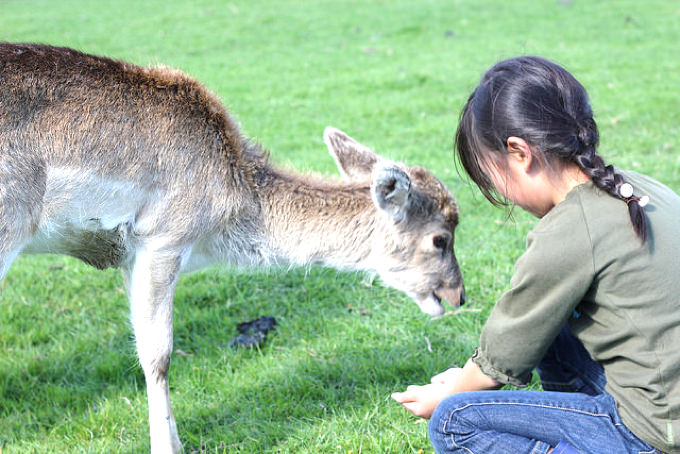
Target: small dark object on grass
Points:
(255, 340)
(259, 325)
(254, 332)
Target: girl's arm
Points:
(422, 400)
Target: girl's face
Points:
(523, 180)
(522, 191)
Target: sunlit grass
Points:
(393, 74)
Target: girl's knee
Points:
(436, 428)
(450, 422)
(448, 418)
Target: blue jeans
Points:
(574, 408)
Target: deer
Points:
(144, 170)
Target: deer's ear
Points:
(355, 161)
(391, 189)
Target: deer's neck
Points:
(308, 221)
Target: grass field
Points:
(394, 74)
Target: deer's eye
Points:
(440, 242)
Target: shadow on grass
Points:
(313, 403)
(333, 358)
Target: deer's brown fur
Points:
(144, 170)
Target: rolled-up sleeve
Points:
(550, 280)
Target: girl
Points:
(593, 303)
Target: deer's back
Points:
(112, 116)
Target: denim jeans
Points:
(573, 407)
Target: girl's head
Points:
(542, 103)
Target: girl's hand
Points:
(422, 400)
(448, 376)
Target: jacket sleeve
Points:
(550, 280)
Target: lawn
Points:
(393, 74)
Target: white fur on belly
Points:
(77, 201)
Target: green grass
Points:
(394, 74)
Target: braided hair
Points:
(542, 103)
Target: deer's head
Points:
(414, 230)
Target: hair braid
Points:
(605, 177)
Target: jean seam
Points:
(653, 451)
(453, 440)
(530, 405)
(456, 445)
(540, 444)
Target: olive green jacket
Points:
(584, 265)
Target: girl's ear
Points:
(519, 153)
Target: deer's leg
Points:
(151, 280)
(6, 259)
(22, 187)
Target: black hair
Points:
(539, 101)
